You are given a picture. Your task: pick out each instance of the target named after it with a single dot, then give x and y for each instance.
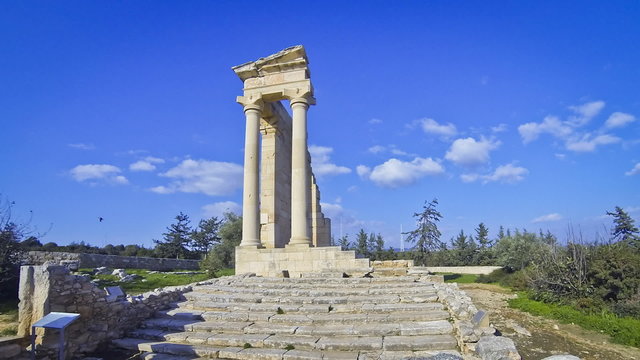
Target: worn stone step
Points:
(288, 290)
(416, 343)
(377, 329)
(169, 324)
(228, 298)
(180, 313)
(308, 308)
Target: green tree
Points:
(625, 229)
(482, 235)
(222, 254)
(465, 249)
(344, 242)
(426, 236)
(176, 239)
(206, 235)
(362, 244)
(11, 251)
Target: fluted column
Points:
(299, 173)
(251, 189)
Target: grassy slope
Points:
(153, 281)
(624, 331)
(8, 317)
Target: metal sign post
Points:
(54, 320)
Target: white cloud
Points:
(551, 125)
(504, 173)
(499, 128)
(142, 165)
(431, 126)
(202, 176)
(219, 208)
(82, 146)
(395, 173)
(98, 172)
(469, 152)
(585, 112)
(145, 165)
(375, 121)
(634, 171)
(547, 218)
(379, 149)
(618, 119)
(588, 144)
(363, 171)
(560, 156)
(321, 162)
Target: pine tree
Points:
(176, 239)
(482, 235)
(206, 235)
(426, 236)
(362, 241)
(344, 242)
(625, 229)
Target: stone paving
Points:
(304, 318)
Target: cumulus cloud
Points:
(470, 152)
(547, 218)
(321, 162)
(82, 146)
(508, 173)
(634, 171)
(375, 121)
(618, 119)
(147, 164)
(202, 176)
(499, 128)
(585, 112)
(94, 173)
(379, 149)
(219, 208)
(550, 125)
(396, 173)
(431, 126)
(363, 171)
(588, 143)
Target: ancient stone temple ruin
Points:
(283, 228)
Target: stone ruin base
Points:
(300, 261)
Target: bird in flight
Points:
(100, 218)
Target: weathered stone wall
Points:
(112, 261)
(478, 270)
(44, 289)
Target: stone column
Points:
(251, 189)
(299, 173)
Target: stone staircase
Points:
(304, 318)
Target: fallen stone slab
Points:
(497, 348)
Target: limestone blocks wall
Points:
(474, 332)
(111, 261)
(44, 289)
(298, 261)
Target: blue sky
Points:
(514, 113)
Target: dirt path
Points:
(548, 337)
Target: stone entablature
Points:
(280, 204)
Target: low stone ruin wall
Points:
(44, 289)
(478, 270)
(111, 261)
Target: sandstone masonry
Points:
(111, 261)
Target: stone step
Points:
(281, 292)
(306, 308)
(265, 280)
(275, 346)
(180, 313)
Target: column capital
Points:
(251, 102)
